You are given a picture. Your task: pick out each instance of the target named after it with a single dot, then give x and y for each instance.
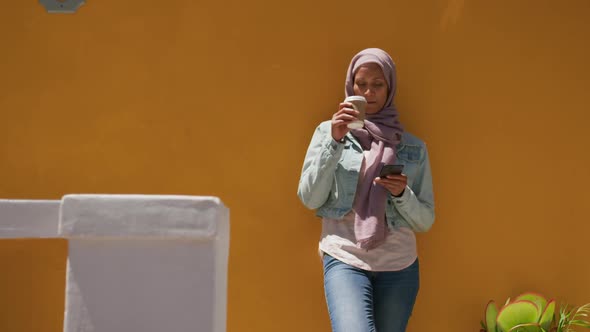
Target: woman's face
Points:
(370, 83)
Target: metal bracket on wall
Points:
(61, 6)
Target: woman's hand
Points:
(395, 184)
(340, 120)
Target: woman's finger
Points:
(344, 105)
(397, 177)
(344, 117)
(347, 111)
(390, 181)
(396, 182)
(393, 187)
(341, 123)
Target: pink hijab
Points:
(380, 135)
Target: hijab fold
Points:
(379, 138)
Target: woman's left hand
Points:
(395, 184)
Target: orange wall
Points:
(221, 98)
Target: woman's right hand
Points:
(340, 120)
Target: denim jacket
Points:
(330, 175)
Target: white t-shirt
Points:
(397, 252)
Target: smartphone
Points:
(391, 170)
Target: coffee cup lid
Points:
(355, 98)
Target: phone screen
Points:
(391, 170)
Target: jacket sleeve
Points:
(416, 205)
(321, 161)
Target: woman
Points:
(368, 244)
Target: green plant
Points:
(576, 316)
(530, 312)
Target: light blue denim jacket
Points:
(330, 175)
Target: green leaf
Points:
(537, 299)
(516, 313)
(548, 315)
(531, 327)
(491, 314)
(581, 323)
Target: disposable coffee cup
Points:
(359, 103)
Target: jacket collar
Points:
(354, 141)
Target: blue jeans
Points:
(365, 301)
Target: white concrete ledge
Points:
(147, 263)
(28, 218)
(140, 216)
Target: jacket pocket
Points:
(347, 174)
(409, 153)
(410, 156)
